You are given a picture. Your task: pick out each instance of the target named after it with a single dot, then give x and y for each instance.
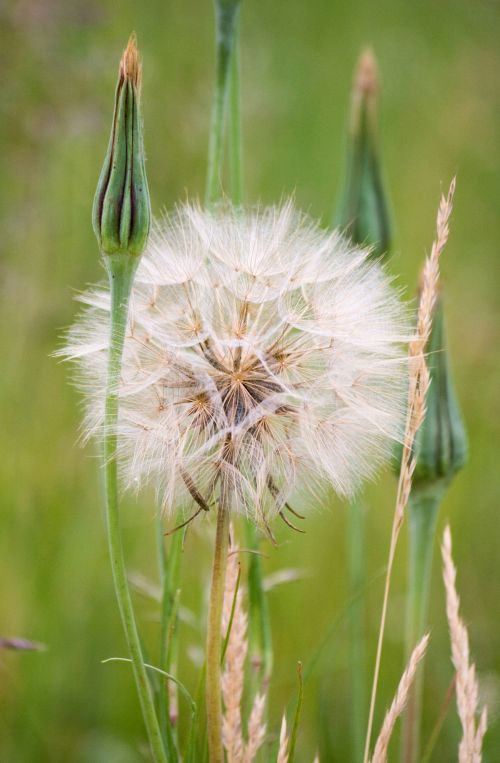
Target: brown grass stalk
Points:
(233, 676)
(417, 389)
(467, 690)
(399, 702)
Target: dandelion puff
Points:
(260, 350)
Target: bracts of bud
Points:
(363, 209)
(441, 443)
(121, 212)
(441, 450)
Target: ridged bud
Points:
(441, 442)
(363, 210)
(121, 212)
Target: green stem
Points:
(121, 270)
(260, 637)
(235, 160)
(170, 569)
(214, 633)
(357, 652)
(226, 16)
(423, 509)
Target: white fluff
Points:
(261, 352)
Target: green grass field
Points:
(440, 65)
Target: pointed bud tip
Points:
(366, 79)
(130, 64)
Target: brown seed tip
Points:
(366, 77)
(130, 65)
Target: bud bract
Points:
(121, 213)
(441, 442)
(363, 210)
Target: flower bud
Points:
(363, 208)
(121, 213)
(441, 442)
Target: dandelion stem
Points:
(357, 654)
(121, 269)
(423, 513)
(214, 631)
(226, 16)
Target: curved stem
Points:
(423, 513)
(214, 633)
(121, 270)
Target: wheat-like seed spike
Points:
(419, 379)
(256, 729)
(399, 702)
(418, 384)
(130, 64)
(283, 748)
(467, 689)
(233, 677)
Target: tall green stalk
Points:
(259, 624)
(235, 159)
(363, 213)
(423, 510)
(260, 639)
(441, 450)
(357, 632)
(121, 271)
(170, 572)
(226, 21)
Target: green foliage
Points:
(441, 112)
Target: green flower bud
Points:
(363, 209)
(121, 213)
(441, 442)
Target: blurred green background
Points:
(440, 63)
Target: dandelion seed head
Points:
(261, 352)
